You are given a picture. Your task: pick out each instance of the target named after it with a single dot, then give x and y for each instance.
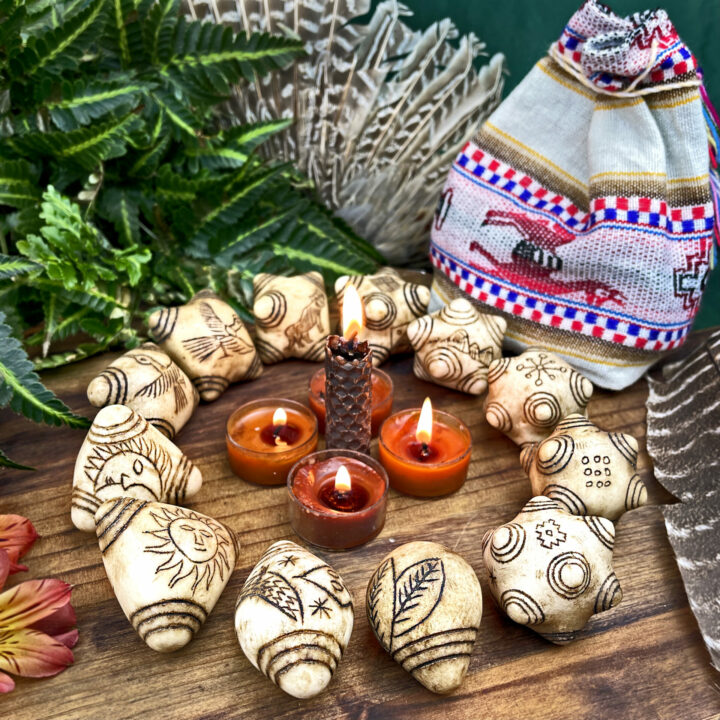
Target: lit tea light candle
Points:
(265, 438)
(381, 399)
(337, 498)
(425, 452)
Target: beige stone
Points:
(587, 470)
(391, 304)
(291, 317)
(148, 381)
(123, 455)
(208, 340)
(455, 346)
(551, 570)
(293, 619)
(529, 394)
(167, 565)
(424, 605)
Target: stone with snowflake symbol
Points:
(587, 470)
(529, 394)
(550, 570)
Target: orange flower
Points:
(17, 535)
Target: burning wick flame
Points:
(423, 434)
(343, 483)
(279, 420)
(352, 312)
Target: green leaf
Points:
(18, 184)
(81, 352)
(5, 461)
(14, 266)
(21, 389)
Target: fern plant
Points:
(124, 185)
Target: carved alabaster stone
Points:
(293, 618)
(587, 470)
(167, 565)
(455, 346)
(551, 570)
(529, 394)
(391, 304)
(148, 381)
(291, 316)
(424, 605)
(123, 455)
(208, 340)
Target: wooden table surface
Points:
(643, 659)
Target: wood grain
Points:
(643, 659)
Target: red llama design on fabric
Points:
(535, 262)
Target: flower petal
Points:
(6, 683)
(4, 567)
(17, 535)
(59, 622)
(31, 601)
(68, 639)
(32, 654)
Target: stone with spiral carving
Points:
(551, 570)
(424, 605)
(455, 346)
(291, 317)
(587, 470)
(391, 304)
(529, 394)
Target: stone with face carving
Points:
(529, 394)
(148, 381)
(391, 304)
(291, 317)
(551, 570)
(123, 455)
(209, 341)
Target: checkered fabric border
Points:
(649, 213)
(499, 295)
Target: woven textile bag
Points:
(582, 211)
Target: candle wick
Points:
(277, 430)
(425, 451)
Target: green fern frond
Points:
(18, 184)
(14, 266)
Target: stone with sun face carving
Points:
(293, 618)
(123, 455)
(167, 565)
(148, 381)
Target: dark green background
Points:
(523, 29)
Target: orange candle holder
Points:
(262, 451)
(336, 518)
(382, 398)
(438, 467)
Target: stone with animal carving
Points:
(293, 619)
(529, 394)
(587, 470)
(455, 346)
(167, 565)
(148, 381)
(291, 317)
(123, 455)
(391, 304)
(209, 341)
(424, 605)
(551, 570)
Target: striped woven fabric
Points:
(582, 210)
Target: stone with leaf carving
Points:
(209, 341)
(529, 394)
(291, 317)
(551, 570)
(293, 619)
(167, 565)
(424, 605)
(148, 381)
(587, 470)
(455, 346)
(123, 455)
(391, 304)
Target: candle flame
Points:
(279, 418)
(342, 480)
(423, 434)
(352, 312)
